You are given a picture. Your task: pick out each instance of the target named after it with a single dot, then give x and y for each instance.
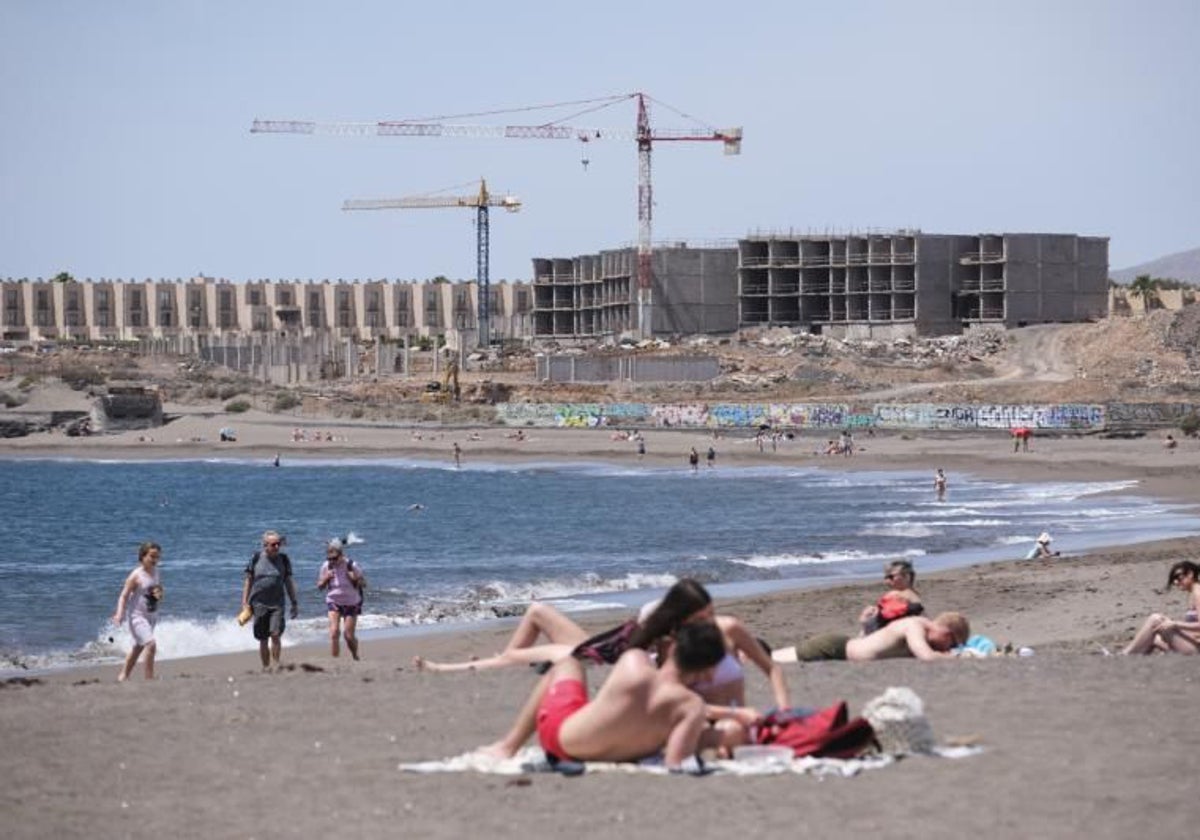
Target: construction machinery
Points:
(481, 202)
(447, 390)
(643, 135)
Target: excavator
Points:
(448, 389)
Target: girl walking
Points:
(138, 602)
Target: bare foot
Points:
(121, 677)
(497, 750)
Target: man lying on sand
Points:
(638, 711)
(913, 636)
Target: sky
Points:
(125, 149)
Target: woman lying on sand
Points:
(685, 602)
(1161, 633)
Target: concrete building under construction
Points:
(854, 285)
(912, 283)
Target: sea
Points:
(448, 547)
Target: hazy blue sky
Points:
(126, 152)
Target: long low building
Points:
(851, 285)
(44, 310)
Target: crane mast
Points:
(643, 134)
(481, 202)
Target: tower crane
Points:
(481, 202)
(643, 135)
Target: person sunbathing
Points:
(685, 602)
(901, 599)
(914, 636)
(1162, 634)
(641, 709)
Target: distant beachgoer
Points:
(1170, 442)
(641, 448)
(1162, 634)
(694, 459)
(343, 582)
(457, 455)
(939, 484)
(642, 708)
(1041, 548)
(711, 457)
(138, 602)
(901, 599)
(1021, 436)
(276, 462)
(915, 636)
(268, 578)
(846, 444)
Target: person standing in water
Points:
(138, 602)
(939, 484)
(457, 455)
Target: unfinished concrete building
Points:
(912, 283)
(694, 291)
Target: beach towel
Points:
(533, 760)
(825, 733)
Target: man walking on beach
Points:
(638, 711)
(915, 636)
(268, 579)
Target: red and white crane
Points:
(643, 135)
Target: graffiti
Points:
(948, 417)
(691, 415)
(1133, 415)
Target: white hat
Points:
(1043, 537)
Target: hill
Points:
(1183, 266)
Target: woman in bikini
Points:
(564, 637)
(1167, 635)
(684, 602)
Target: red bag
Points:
(826, 733)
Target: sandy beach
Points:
(1075, 742)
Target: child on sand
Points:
(138, 602)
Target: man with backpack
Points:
(268, 578)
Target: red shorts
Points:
(563, 699)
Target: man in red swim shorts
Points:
(638, 711)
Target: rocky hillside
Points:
(1184, 266)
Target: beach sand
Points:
(1076, 743)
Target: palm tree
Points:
(1145, 287)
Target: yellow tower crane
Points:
(481, 201)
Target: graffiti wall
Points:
(1142, 415)
(934, 416)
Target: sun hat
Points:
(1043, 537)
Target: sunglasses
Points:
(272, 544)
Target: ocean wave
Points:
(587, 584)
(776, 561)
